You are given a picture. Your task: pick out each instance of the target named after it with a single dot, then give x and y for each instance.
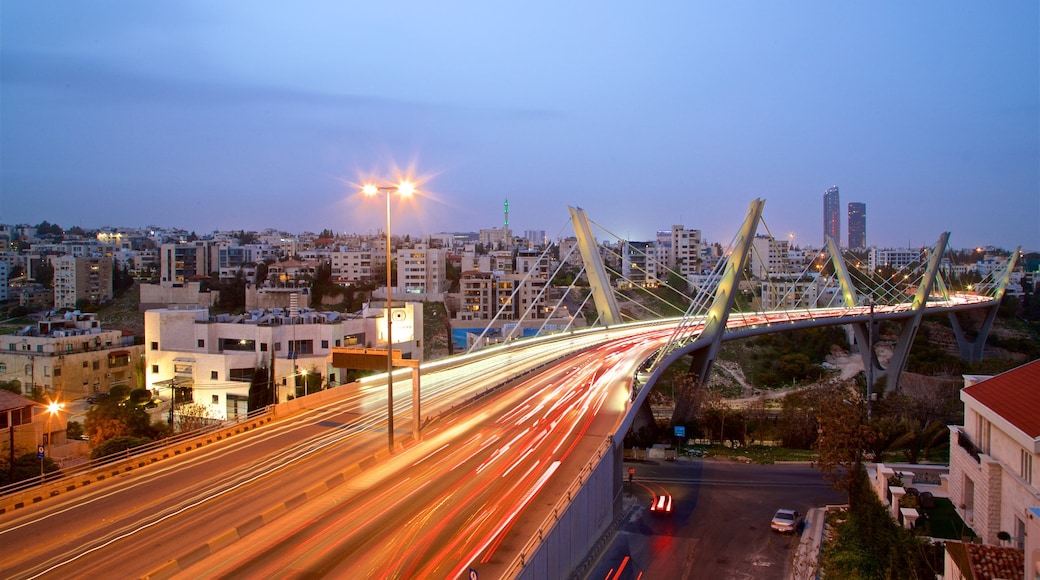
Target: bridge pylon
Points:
(901, 352)
(718, 313)
(971, 350)
(602, 295)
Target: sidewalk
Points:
(806, 562)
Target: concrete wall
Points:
(566, 541)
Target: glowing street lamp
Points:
(404, 189)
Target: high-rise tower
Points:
(831, 215)
(506, 224)
(857, 226)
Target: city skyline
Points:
(242, 116)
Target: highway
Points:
(315, 498)
(317, 494)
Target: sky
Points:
(259, 114)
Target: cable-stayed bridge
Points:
(518, 468)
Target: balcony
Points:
(967, 445)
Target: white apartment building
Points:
(769, 257)
(894, 259)
(421, 270)
(214, 357)
(995, 456)
(351, 266)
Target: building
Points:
(831, 215)
(25, 425)
(857, 226)
(769, 257)
(211, 359)
(4, 279)
(76, 279)
(351, 266)
(994, 476)
(634, 259)
(182, 263)
(895, 259)
(421, 270)
(68, 357)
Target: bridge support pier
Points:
(971, 350)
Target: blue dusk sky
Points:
(252, 114)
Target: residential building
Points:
(831, 215)
(211, 359)
(4, 275)
(421, 270)
(68, 357)
(995, 456)
(857, 226)
(186, 262)
(634, 258)
(75, 279)
(895, 259)
(769, 257)
(352, 266)
(26, 425)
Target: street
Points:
(719, 526)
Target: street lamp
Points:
(53, 408)
(404, 189)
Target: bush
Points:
(117, 444)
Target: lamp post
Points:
(404, 189)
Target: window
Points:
(263, 347)
(243, 375)
(216, 399)
(202, 343)
(96, 364)
(10, 346)
(324, 344)
(118, 359)
(155, 369)
(3, 367)
(1025, 467)
(57, 371)
(236, 344)
(155, 346)
(301, 346)
(214, 376)
(85, 364)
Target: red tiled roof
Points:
(1014, 395)
(992, 562)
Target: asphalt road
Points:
(719, 527)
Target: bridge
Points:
(520, 449)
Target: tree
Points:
(260, 390)
(26, 466)
(117, 444)
(45, 274)
(843, 435)
(194, 416)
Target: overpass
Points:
(522, 445)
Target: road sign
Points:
(39, 451)
(680, 430)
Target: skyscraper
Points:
(857, 226)
(831, 215)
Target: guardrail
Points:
(550, 522)
(36, 489)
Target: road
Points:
(719, 527)
(315, 499)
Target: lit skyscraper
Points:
(857, 225)
(831, 215)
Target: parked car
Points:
(787, 522)
(95, 398)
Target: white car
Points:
(787, 522)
